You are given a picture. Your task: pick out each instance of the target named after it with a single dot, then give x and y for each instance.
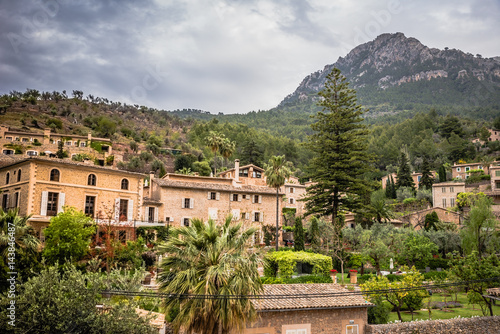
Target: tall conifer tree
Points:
(339, 147)
(426, 179)
(404, 173)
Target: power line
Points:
(295, 296)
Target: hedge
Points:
(283, 263)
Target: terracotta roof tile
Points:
(347, 300)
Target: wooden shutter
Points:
(217, 196)
(130, 210)
(156, 215)
(61, 201)
(117, 209)
(240, 197)
(183, 203)
(247, 215)
(260, 199)
(191, 203)
(43, 208)
(231, 197)
(209, 193)
(261, 216)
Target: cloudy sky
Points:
(230, 56)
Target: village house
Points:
(41, 187)
(32, 144)
(494, 136)
(242, 194)
(309, 309)
(417, 218)
(444, 194)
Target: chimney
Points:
(237, 170)
(89, 136)
(151, 177)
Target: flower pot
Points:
(354, 277)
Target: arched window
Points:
(124, 184)
(7, 178)
(19, 175)
(92, 180)
(54, 175)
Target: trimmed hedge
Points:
(297, 280)
(283, 263)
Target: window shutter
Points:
(60, 204)
(208, 197)
(156, 215)
(247, 215)
(253, 215)
(130, 210)
(261, 217)
(43, 208)
(7, 203)
(240, 197)
(117, 209)
(231, 197)
(183, 202)
(217, 196)
(191, 203)
(260, 199)
(253, 198)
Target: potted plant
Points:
(333, 275)
(353, 273)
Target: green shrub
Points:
(283, 263)
(394, 278)
(435, 275)
(365, 277)
(297, 280)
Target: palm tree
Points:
(24, 240)
(214, 141)
(206, 259)
(379, 208)
(276, 174)
(227, 148)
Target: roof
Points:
(243, 167)
(449, 183)
(346, 300)
(430, 210)
(215, 186)
(56, 161)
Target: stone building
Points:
(30, 144)
(444, 194)
(40, 187)
(417, 218)
(324, 308)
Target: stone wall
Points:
(450, 326)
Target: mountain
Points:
(398, 72)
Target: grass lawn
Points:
(466, 311)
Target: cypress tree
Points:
(298, 235)
(404, 173)
(393, 189)
(426, 179)
(442, 174)
(315, 235)
(339, 148)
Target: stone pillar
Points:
(237, 170)
(354, 277)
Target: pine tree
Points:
(426, 179)
(404, 173)
(339, 148)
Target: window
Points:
(292, 201)
(292, 190)
(444, 202)
(19, 175)
(187, 203)
(16, 199)
(185, 221)
(452, 189)
(452, 201)
(83, 144)
(5, 201)
(244, 196)
(124, 185)
(212, 195)
(296, 329)
(256, 174)
(244, 172)
(256, 216)
(25, 140)
(467, 169)
(257, 199)
(68, 143)
(52, 200)
(90, 205)
(419, 177)
(8, 152)
(8, 138)
(122, 235)
(123, 213)
(459, 169)
(32, 153)
(497, 173)
(55, 175)
(151, 214)
(92, 180)
(497, 184)
(443, 189)
(7, 178)
(235, 197)
(481, 167)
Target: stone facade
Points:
(41, 187)
(417, 218)
(415, 176)
(445, 194)
(449, 326)
(331, 321)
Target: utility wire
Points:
(295, 296)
